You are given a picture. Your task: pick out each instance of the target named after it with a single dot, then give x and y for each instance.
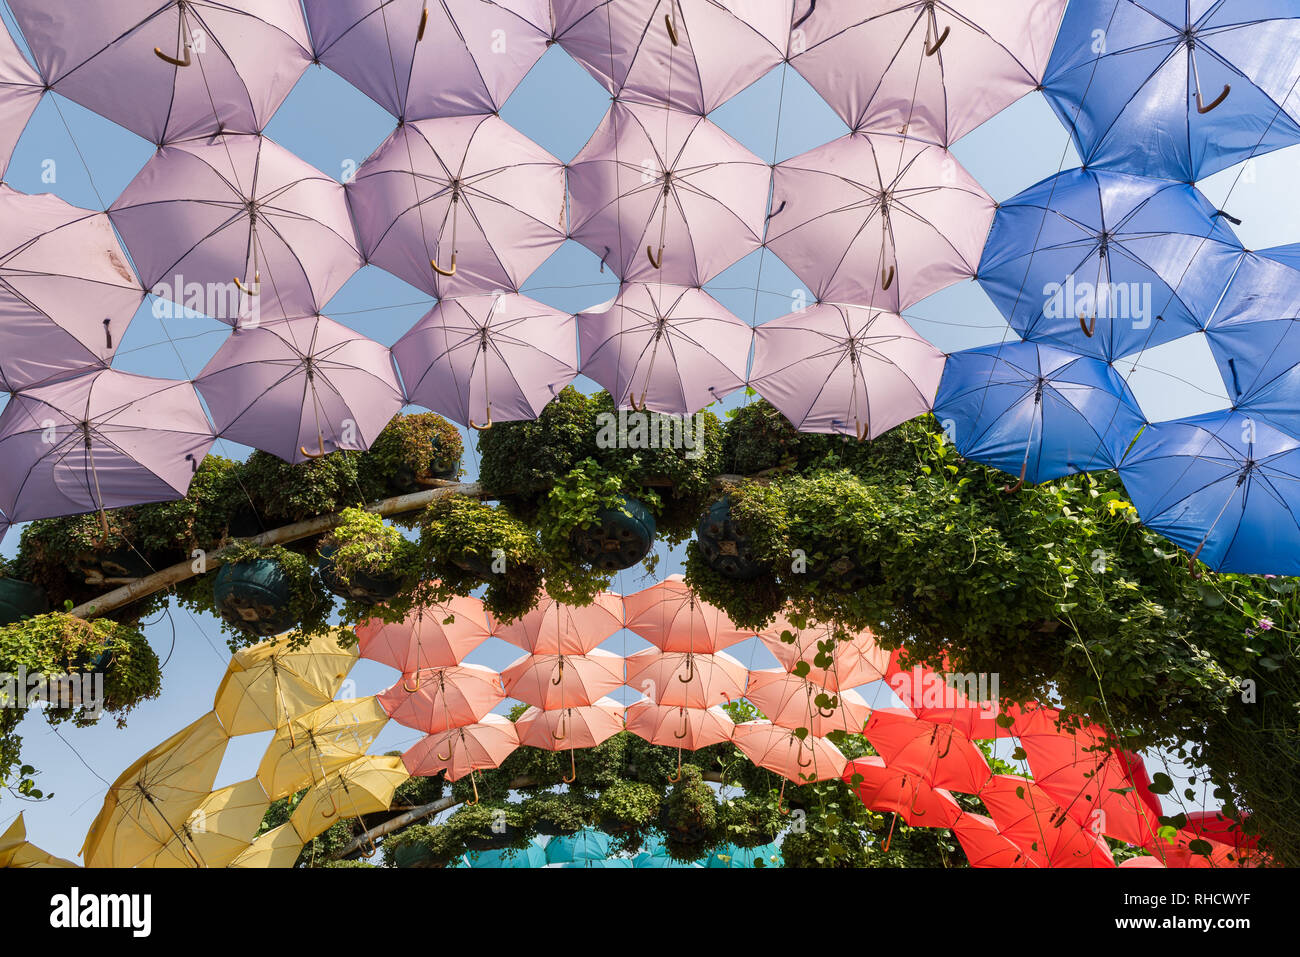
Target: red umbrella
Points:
(686, 680)
(672, 618)
(984, 846)
(431, 636)
(882, 788)
(555, 629)
(560, 681)
(794, 703)
(941, 755)
(1026, 815)
(443, 698)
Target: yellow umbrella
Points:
(219, 829)
(15, 851)
(278, 847)
(363, 787)
(154, 797)
(268, 684)
(312, 745)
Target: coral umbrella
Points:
(1178, 90)
(17, 851)
(218, 830)
(1223, 486)
(20, 92)
(443, 698)
(459, 206)
(934, 71)
(431, 636)
(480, 359)
(559, 681)
(686, 679)
(279, 848)
(939, 753)
(852, 662)
(1045, 834)
(551, 628)
(461, 751)
(665, 196)
(792, 702)
(984, 846)
(1107, 264)
(665, 348)
(677, 727)
(364, 786)
(671, 617)
(885, 789)
(290, 386)
(932, 696)
(170, 69)
(67, 294)
(576, 727)
(801, 760)
(309, 747)
(878, 220)
(101, 440)
(1036, 409)
(267, 235)
(419, 60)
(845, 370)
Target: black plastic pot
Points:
(118, 563)
(20, 599)
(551, 828)
(620, 538)
(495, 841)
(365, 589)
(722, 547)
(254, 597)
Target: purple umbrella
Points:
(459, 205)
(480, 359)
(262, 232)
(420, 60)
(665, 348)
(659, 194)
(878, 220)
(20, 91)
(66, 291)
(691, 55)
(290, 386)
(170, 70)
(106, 439)
(845, 370)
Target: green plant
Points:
(408, 454)
(283, 493)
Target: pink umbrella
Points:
(794, 703)
(855, 662)
(105, 439)
(572, 728)
(170, 69)
(802, 761)
(66, 291)
(672, 618)
(418, 59)
(555, 629)
(691, 55)
(845, 370)
(443, 698)
(462, 751)
(682, 728)
(289, 386)
(431, 636)
(689, 680)
(479, 359)
(878, 220)
(561, 681)
(243, 217)
(665, 348)
(666, 196)
(460, 205)
(20, 91)
(943, 756)
(934, 71)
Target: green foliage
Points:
(283, 493)
(692, 824)
(408, 453)
(522, 459)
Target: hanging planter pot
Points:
(842, 573)
(443, 466)
(495, 841)
(20, 599)
(620, 538)
(362, 588)
(254, 597)
(723, 547)
(119, 563)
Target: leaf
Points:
(1019, 755)
(1198, 846)
(1161, 784)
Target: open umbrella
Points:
(728, 855)
(793, 702)
(1027, 816)
(279, 848)
(678, 727)
(843, 664)
(939, 753)
(1176, 89)
(666, 196)
(845, 370)
(686, 679)
(586, 845)
(365, 786)
(17, 851)
(100, 440)
(20, 92)
(218, 830)
(431, 636)
(67, 294)
(310, 746)
(801, 760)
(442, 698)
(1036, 409)
(878, 220)
(459, 206)
(670, 616)
(571, 728)
(461, 751)
(551, 628)
(290, 386)
(170, 69)
(480, 359)
(532, 856)
(984, 846)
(559, 681)
(882, 788)
(665, 348)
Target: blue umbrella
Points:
(534, 855)
(1225, 486)
(1176, 88)
(1108, 264)
(607, 862)
(586, 845)
(1037, 410)
(731, 856)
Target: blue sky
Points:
(334, 127)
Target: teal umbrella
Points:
(534, 855)
(586, 845)
(731, 856)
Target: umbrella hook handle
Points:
(887, 279)
(946, 749)
(108, 333)
(473, 784)
(424, 22)
(1089, 327)
(668, 21)
(320, 442)
(182, 43)
(657, 263)
(1013, 489)
(1200, 103)
(631, 399)
(573, 769)
(690, 671)
(812, 8)
(254, 288)
(862, 431)
(411, 690)
(932, 50)
(334, 805)
(486, 425)
(559, 727)
(780, 801)
(559, 673)
(686, 729)
(444, 272)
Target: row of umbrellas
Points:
(593, 848)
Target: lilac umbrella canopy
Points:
(934, 71)
(660, 194)
(691, 55)
(66, 291)
(20, 91)
(106, 439)
(459, 205)
(243, 217)
(170, 69)
(480, 359)
(420, 60)
(665, 348)
(878, 220)
(845, 370)
(291, 386)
